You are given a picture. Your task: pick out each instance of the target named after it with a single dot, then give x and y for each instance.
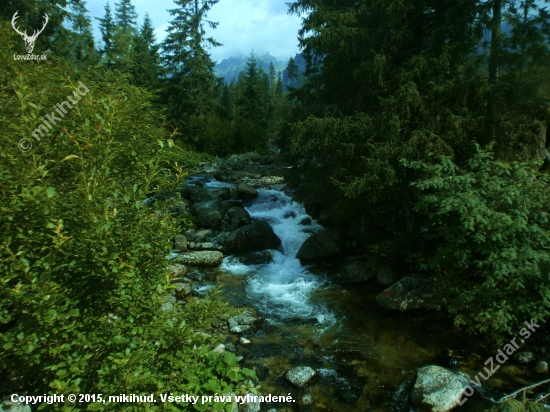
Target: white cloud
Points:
(262, 25)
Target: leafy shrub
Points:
(488, 236)
(82, 259)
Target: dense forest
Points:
(418, 133)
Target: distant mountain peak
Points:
(230, 67)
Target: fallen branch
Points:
(526, 388)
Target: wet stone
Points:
(307, 399)
(437, 389)
(201, 258)
(541, 367)
(167, 307)
(300, 376)
(306, 221)
(525, 357)
(177, 271)
(169, 299)
(251, 406)
(180, 243)
(219, 349)
(182, 289)
(239, 328)
(8, 405)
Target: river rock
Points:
(9, 406)
(256, 258)
(318, 246)
(208, 218)
(219, 349)
(182, 289)
(525, 357)
(355, 272)
(209, 214)
(201, 258)
(180, 243)
(409, 293)
(263, 160)
(307, 399)
(205, 246)
(437, 389)
(541, 367)
(241, 323)
(199, 194)
(228, 204)
(238, 217)
(177, 271)
(385, 276)
(300, 376)
(181, 207)
(246, 191)
(224, 193)
(204, 235)
(306, 221)
(253, 237)
(235, 162)
(251, 405)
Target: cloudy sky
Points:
(262, 25)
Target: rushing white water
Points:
(281, 289)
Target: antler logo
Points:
(29, 40)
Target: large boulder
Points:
(180, 243)
(245, 191)
(317, 246)
(177, 271)
(386, 276)
(300, 376)
(199, 194)
(354, 272)
(201, 258)
(238, 217)
(181, 207)
(229, 204)
(253, 237)
(208, 218)
(263, 160)
(224, 193)
(235, 162)
(209, 214)
(409, 293)
(437, 389)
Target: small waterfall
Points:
(281, 289)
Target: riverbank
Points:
(327, 313)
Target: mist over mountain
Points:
(230, 68)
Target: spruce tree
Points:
(107, 30)
(126, 16)
(189, 89)
(293, 73)
(372, 99)
(146, 70)
(84, 52)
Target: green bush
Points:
(82, 259)
(487, 234)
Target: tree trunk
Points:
(494, 61)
